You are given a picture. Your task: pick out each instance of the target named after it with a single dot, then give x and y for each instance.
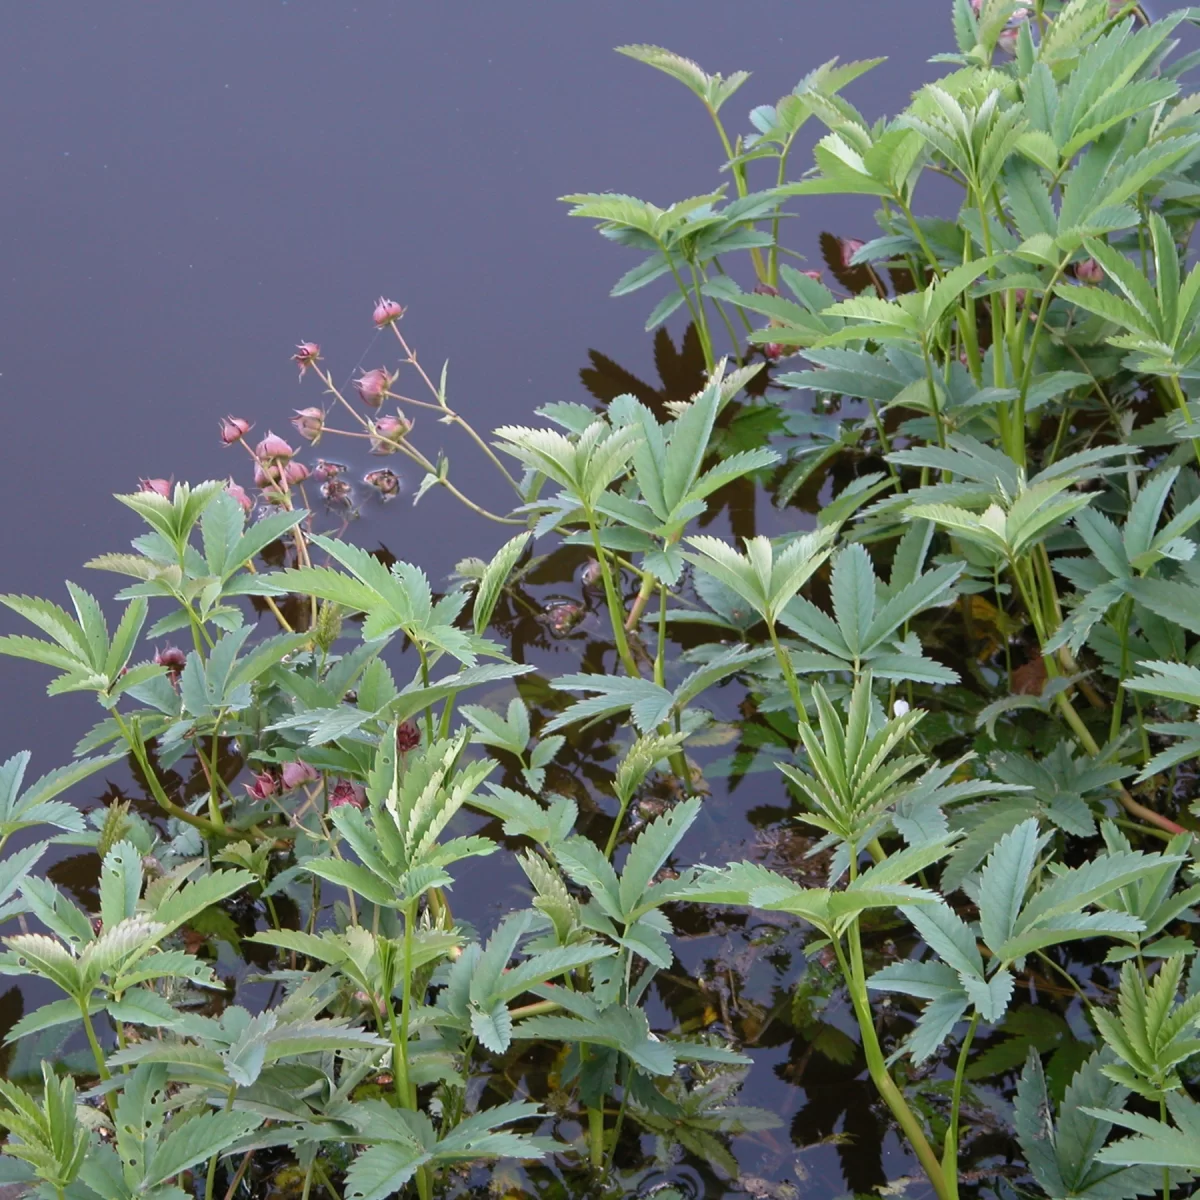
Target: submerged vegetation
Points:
(971, 679)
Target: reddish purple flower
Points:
(307, 355)
(816, 275)
(173, 659)
(295, 473)
(239, 494)
(233, 429)
(372, 386)
(346, 792)
(387, 312)
(264, 786)
(765, 289)
(295, 774)
(850, 247)
(387, 432)
(273, 449)
(1089, 271)
(408, 736)
(160, 487)
(773, 350)
(385, 482)
(309, 423)
(1006, 43)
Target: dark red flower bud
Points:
(173, 659)
(233, 429)
(160, 487)
(265, 785)
(346, 792)
(307, 354)
(408, 736)
(387, 312)
(816, 275)
(773, 350)
(1089, 271)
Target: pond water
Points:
(192, 189)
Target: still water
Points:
(189, 190)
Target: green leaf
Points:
(1004, 881)
(194, 897)
(120, 883)
(195, 1141)
(494, 577)
(653, 847)
(853, 593)
(1155, 1143)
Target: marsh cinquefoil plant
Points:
(972, 678)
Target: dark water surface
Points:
(190, 189)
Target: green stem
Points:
(1181, 400)
(931, 385)
(705, 334)
(950, 1152)
(90, 1030)
(738, 170)
(616, 1134)
(616, 611)
(780, 180)
(640, 601)
(214, 780)
(678, 759)
(885, 1085)
(410, 1091)
(1031, 352)
(1166, 1175)
(596, 1137)
(687, 299)
(1124, 612)
(211, 1179)
(425, 684)
(789, 674)
(920, 236)
(458, 420)
(133, 740)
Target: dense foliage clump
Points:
(974, 674)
